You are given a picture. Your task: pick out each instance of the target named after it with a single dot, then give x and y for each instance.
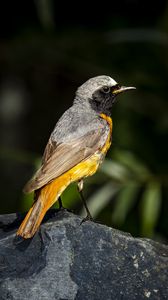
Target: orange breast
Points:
(108, 142)
(90, 165)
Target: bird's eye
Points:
(106, 89)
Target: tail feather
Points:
(46, 198)
(32, 221)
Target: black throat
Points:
(104, 107)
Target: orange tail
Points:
(47, 196)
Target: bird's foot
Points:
(87, 218)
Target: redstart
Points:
(76, 148)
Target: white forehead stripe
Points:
(112, 81)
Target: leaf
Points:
(124, 202)
(137, 167)
(150, 208)
(100, 198)
(115, 170)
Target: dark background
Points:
(46, 51)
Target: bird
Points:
(75, 149)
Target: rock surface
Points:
(66, 260)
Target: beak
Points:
(121, 89)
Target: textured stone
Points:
(66, 260)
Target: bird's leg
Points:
(80, 188)
(61, 207)
(60, 203)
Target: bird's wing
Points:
(60, 158)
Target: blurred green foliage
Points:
(45, 56)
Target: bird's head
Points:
(99, 93)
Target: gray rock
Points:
(66, 260)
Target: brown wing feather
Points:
(63, 157)
(50, 148)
